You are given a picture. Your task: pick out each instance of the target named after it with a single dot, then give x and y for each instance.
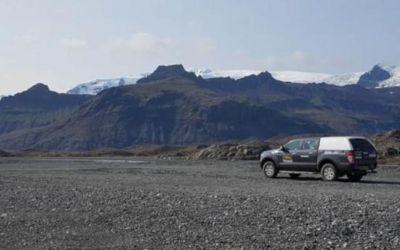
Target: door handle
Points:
(304, 156)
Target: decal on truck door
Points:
(287, 158)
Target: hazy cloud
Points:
(144, 43)
(73, 43)
(299, 60)
(25, 39)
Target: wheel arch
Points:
(267, 159)
(325, 161)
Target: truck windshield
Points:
(362, 145)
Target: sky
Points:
(65, 42)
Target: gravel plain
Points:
(142, 203)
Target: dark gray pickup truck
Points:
(333, 157)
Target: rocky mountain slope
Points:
(388, 143)
(36, 107)
(173, 106)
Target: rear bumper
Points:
(357, 168)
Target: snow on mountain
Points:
(286, 76)
(380, 76)
(234, 74)
(394, 80)
(344, 79)
(299, 77)
(95, 87)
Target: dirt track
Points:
(146, 203)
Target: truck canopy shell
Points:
(337, 142)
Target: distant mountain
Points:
(234, 74)
(173, 106)
(40, 97)
(381, 76)
(36, 107)
(171, 71)
(286, 76)
(95, 87)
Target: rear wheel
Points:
(329, 172)
(294, 175)
(269, 169)
(355, 177)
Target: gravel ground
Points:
(153, 204)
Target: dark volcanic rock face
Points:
(175, 112)
(39, 97)
(171, 71)
(36, 107)
(388, 145)
(371, 79)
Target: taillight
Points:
(350, 156)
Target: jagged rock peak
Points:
(169, 71)
(39, 87)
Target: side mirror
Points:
(282, 148)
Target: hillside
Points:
(36, 107)
(172, 111)
(388, 143)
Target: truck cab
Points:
(333, 157)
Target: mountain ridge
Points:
(94, 87)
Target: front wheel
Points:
(269, 169)
(329, 172)
(355, 177)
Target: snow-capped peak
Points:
(394, 80)
(386, 67)
(95, 87)
(234, 74)
(381, 76)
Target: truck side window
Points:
(293, 145)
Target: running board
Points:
(297, 172)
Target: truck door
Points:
(290, 159)
(307, 156)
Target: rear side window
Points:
(310, 144)
(362, 145)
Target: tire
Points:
(294, 175)
(329, 172)
(355, 177)
(270, 170)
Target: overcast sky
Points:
(65, 42)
